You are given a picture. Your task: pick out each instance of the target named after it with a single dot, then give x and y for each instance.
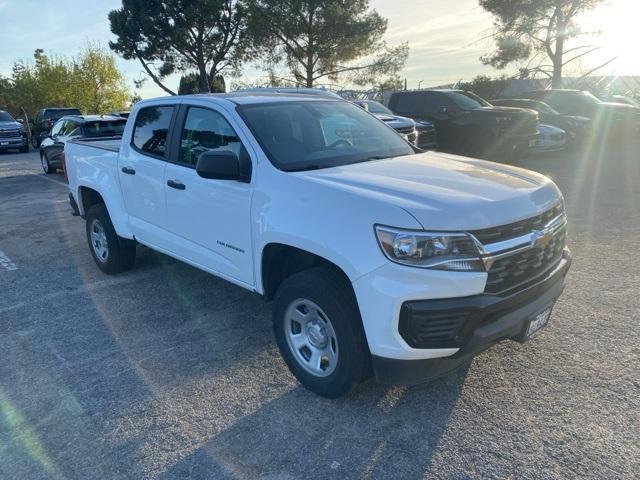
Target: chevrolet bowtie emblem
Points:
(541, 238)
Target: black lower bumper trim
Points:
(491, 320)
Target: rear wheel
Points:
(111, 253)
(319, 332)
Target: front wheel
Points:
(46, 166)
(319, 332)
(111, 253)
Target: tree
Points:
(537, 32)
(97, 84)
(325, 39)
(89, 81)
(166, 36)
(485, 86)
(189, 84)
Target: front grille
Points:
(428, 329)
(405, 130)
(427, 137)
(513, 230)
(10, 134)
(520, 268)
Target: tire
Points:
(322, 300)
(111, 253)
(25, 149)
(46, 166)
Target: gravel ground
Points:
(166, 372)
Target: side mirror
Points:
(20, 120)
(224, 165)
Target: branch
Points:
(598, 67)
(580, 55)
(152, 75)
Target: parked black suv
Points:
(577, 127)
(609, 118)
(12, 133)
(467, 124)
(73, 127)
(44, 121)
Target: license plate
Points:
(4, 143)
(538, 322)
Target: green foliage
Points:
(325, 39)
(536, 33)
(189, 84)
(89, 81)
(485, 86)
(168, 36)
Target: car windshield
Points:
(542, 107)
(307, 135)
(467, 100)
(591, 98)
(113, 128)
(5, 117)
(376, 107)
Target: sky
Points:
(443, 36)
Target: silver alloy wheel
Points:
(311, 337)
(99, 242)
(45, 163)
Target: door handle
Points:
(128, 170)
(178, 185)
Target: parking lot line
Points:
(6, 263)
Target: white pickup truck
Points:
(379, 258)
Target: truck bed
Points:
(111, 144)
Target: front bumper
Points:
(488, 319)
(8, 143)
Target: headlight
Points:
(435, 250)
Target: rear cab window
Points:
(151, 130)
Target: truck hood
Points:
(395, 121)
(446, 192)
(10, 126)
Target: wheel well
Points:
(280, 261)
(89, 198)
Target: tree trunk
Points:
(556, 80)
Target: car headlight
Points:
(436, 250)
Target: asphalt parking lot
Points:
(166, 372)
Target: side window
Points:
(430, 102)
(404, 103)
(70, 128)
(57, 127)
(205, 130)
(151, 129)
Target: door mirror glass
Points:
(219, 165)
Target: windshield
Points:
(114, 128)
(591, 98)
(542, 107)
(5, 117)
(307, 135)
(467, 100)
(375, 107)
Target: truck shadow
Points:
(377, 432)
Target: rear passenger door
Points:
(141, 171)
(209, 219)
